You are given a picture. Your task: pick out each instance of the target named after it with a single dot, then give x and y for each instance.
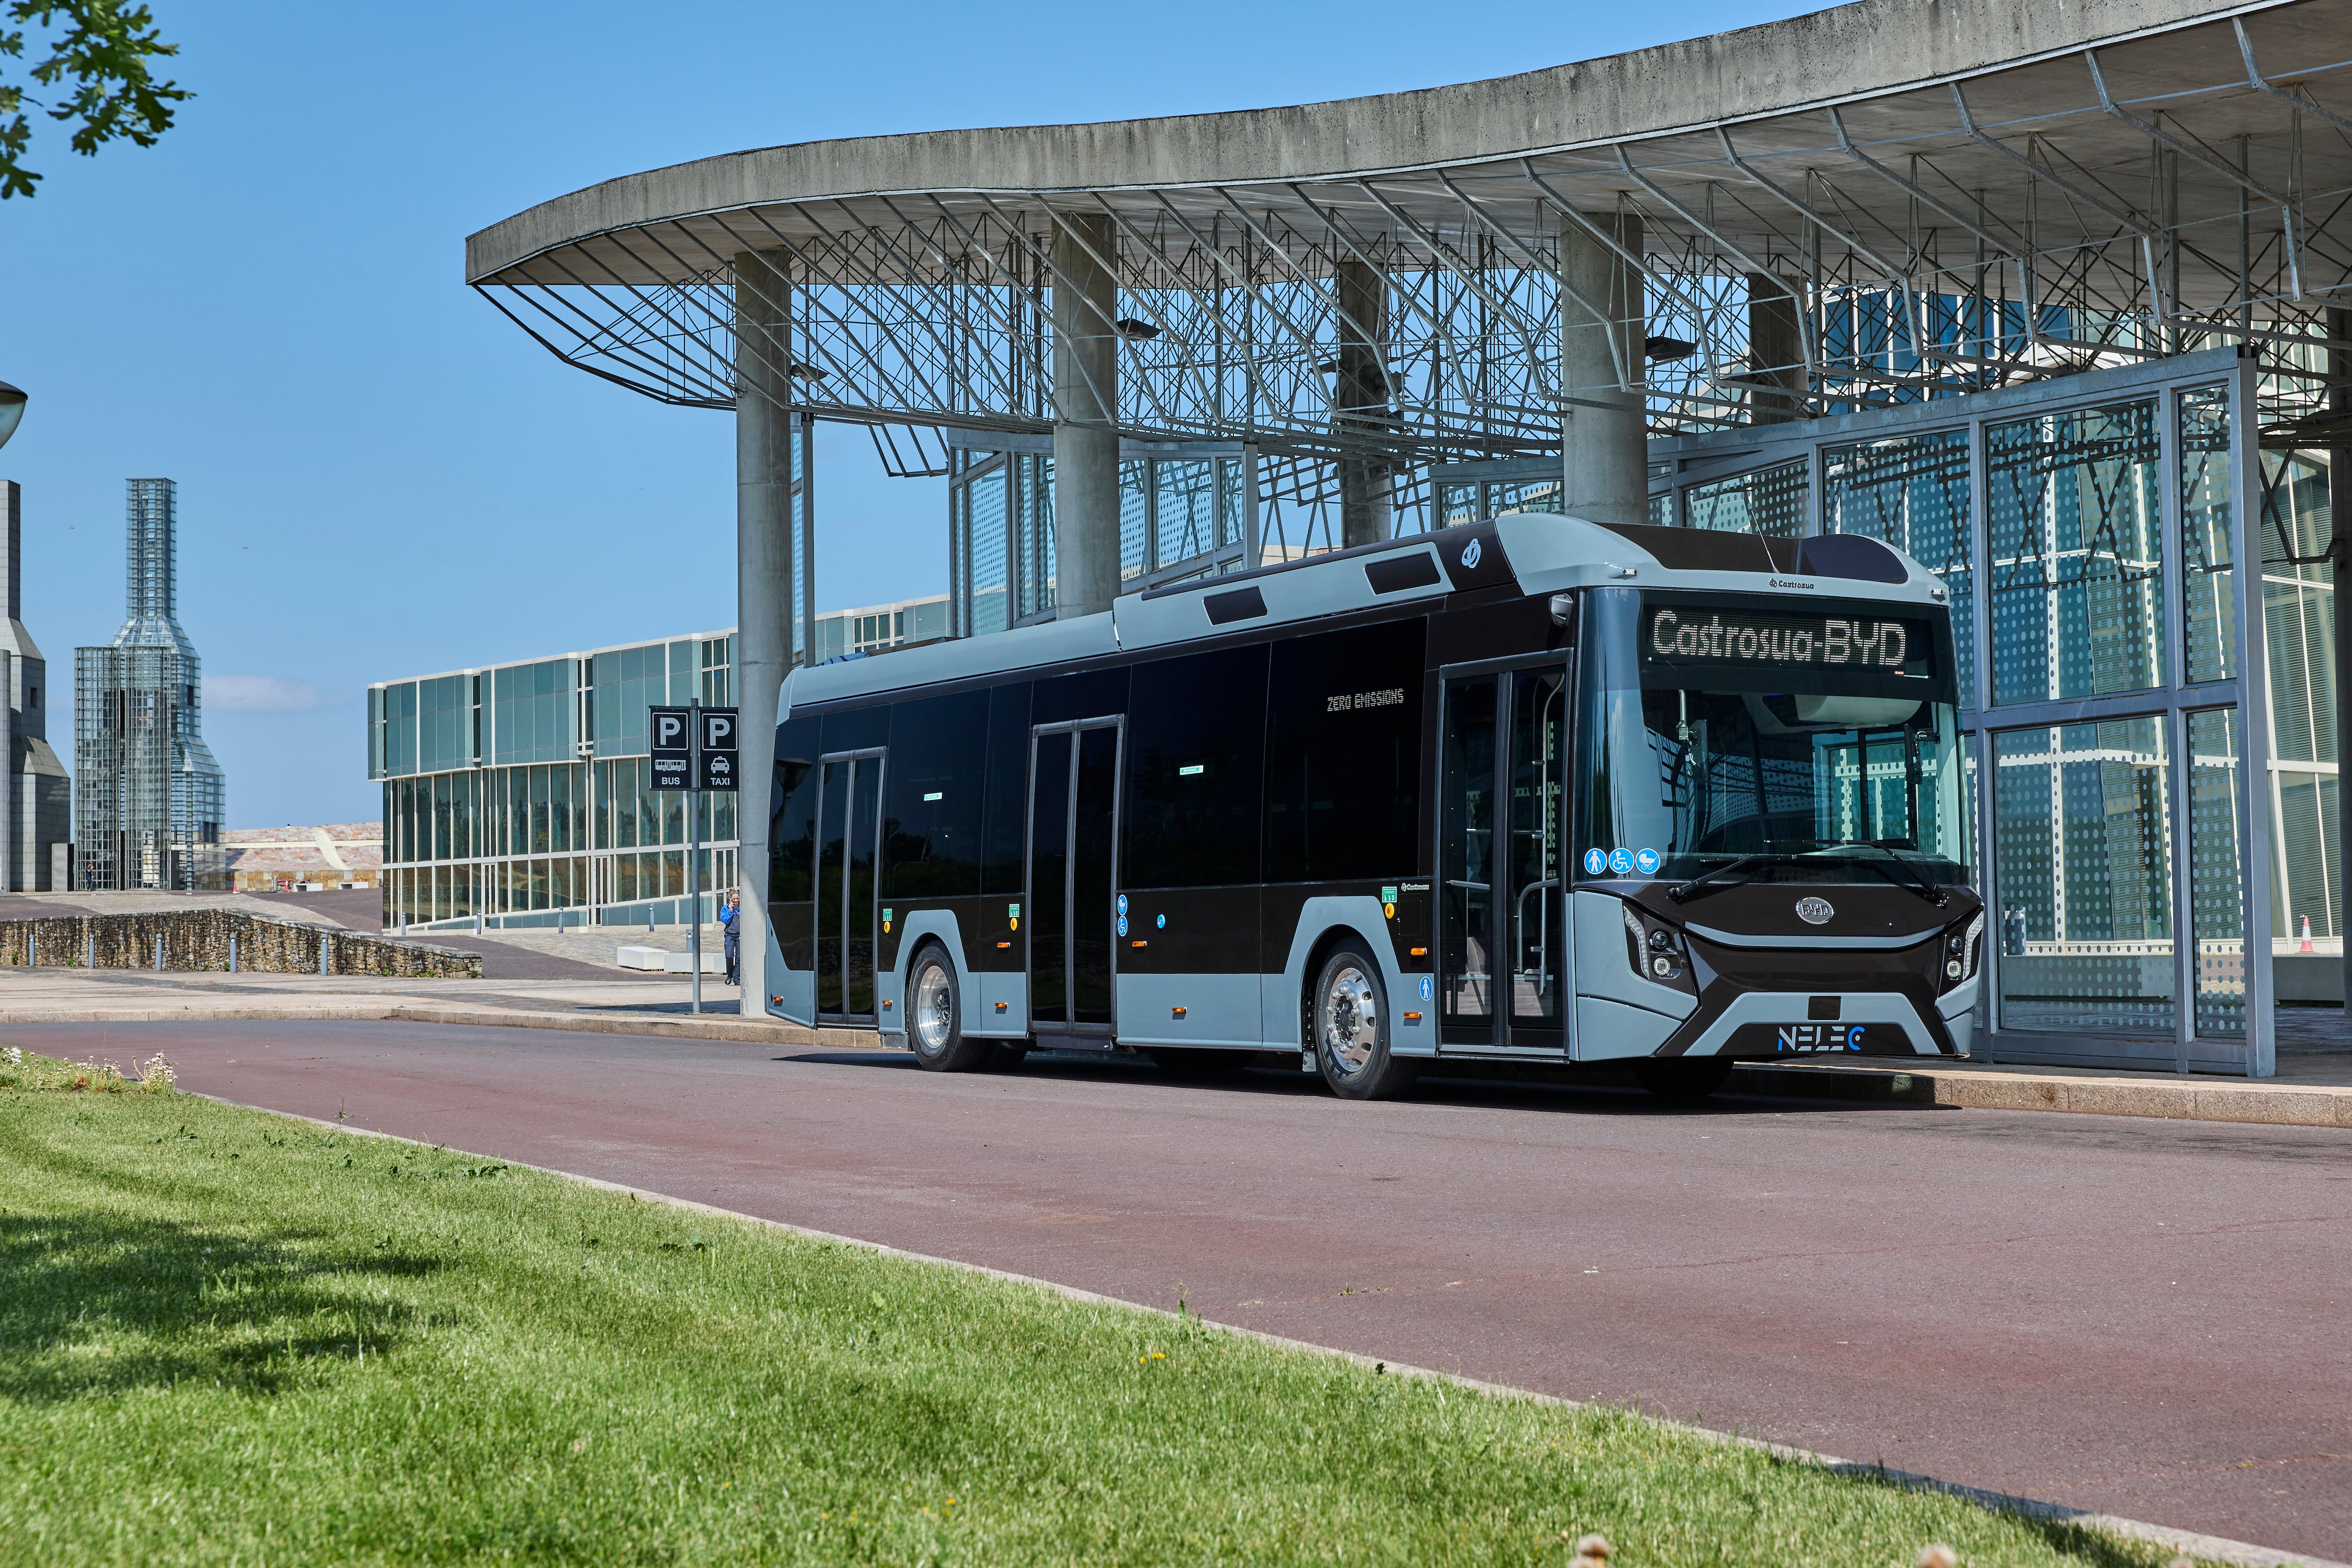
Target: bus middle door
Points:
(1074, 771)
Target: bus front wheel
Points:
(935, 1016)
(1350, 1029)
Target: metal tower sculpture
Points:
(148, 796)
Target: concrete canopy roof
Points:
(1887, 64)
(1960, 193)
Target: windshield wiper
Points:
(1728, 868)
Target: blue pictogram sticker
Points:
(1621, 860)
(1161, 921)
(1646, 861)
(1595, 862)
(1123, 903)
(1122, 924)
(1424, 988)
(1853, 1037)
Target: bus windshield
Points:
(1817, 743)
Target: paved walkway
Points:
(2141, 1317)
(528, 989)
(614, 1001)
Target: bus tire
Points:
(1349, 1017)
(935, 1016)
(1683, 1080)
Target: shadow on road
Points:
(1498, 1086)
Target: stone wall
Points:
(199, 939)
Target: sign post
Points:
(693, 749)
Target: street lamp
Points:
(12, 411)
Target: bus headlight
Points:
(1961, 951)
(1656, 951)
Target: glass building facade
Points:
(2144, 716)
(521, 794)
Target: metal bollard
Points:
(159, 954)
(90, 950)
(232, 955)
(33, 951)
(325, 945)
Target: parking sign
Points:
(673, 749)
(717, 749)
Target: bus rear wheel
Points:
(1350, 1029)
(1683, 1080)
(935, 1016)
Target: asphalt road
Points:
(2146, 1318)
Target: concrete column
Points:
(1359, 401)
(1776, 353)
(763, 576)
(2340, 506)
(1085, 427)
(1604, 450)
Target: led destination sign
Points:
(1696, 635)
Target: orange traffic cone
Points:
(2306, 933)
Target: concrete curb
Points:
(707, 1027)
(2277, 1106)
(2202, 1548)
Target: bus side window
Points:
(1195, 735)
(1343, 758)
(791, 841)
(1006, 781)
(931, 816)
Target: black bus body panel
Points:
(1249, 932)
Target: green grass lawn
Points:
(231, 1337)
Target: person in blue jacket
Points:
(730, 923)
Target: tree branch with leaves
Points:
(94, 75)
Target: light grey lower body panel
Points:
(1607, 1030)
(791, 993)
(1189, 1009)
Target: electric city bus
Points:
(1527, 790)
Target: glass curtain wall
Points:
(1186, 510)
(498, 814)
(2087, 532)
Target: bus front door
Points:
(1501, 879)
(848, 834)
(1073, 842)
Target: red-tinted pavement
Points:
(2146, 1318)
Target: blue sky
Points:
(378, 475)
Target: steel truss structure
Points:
(2152, 195)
